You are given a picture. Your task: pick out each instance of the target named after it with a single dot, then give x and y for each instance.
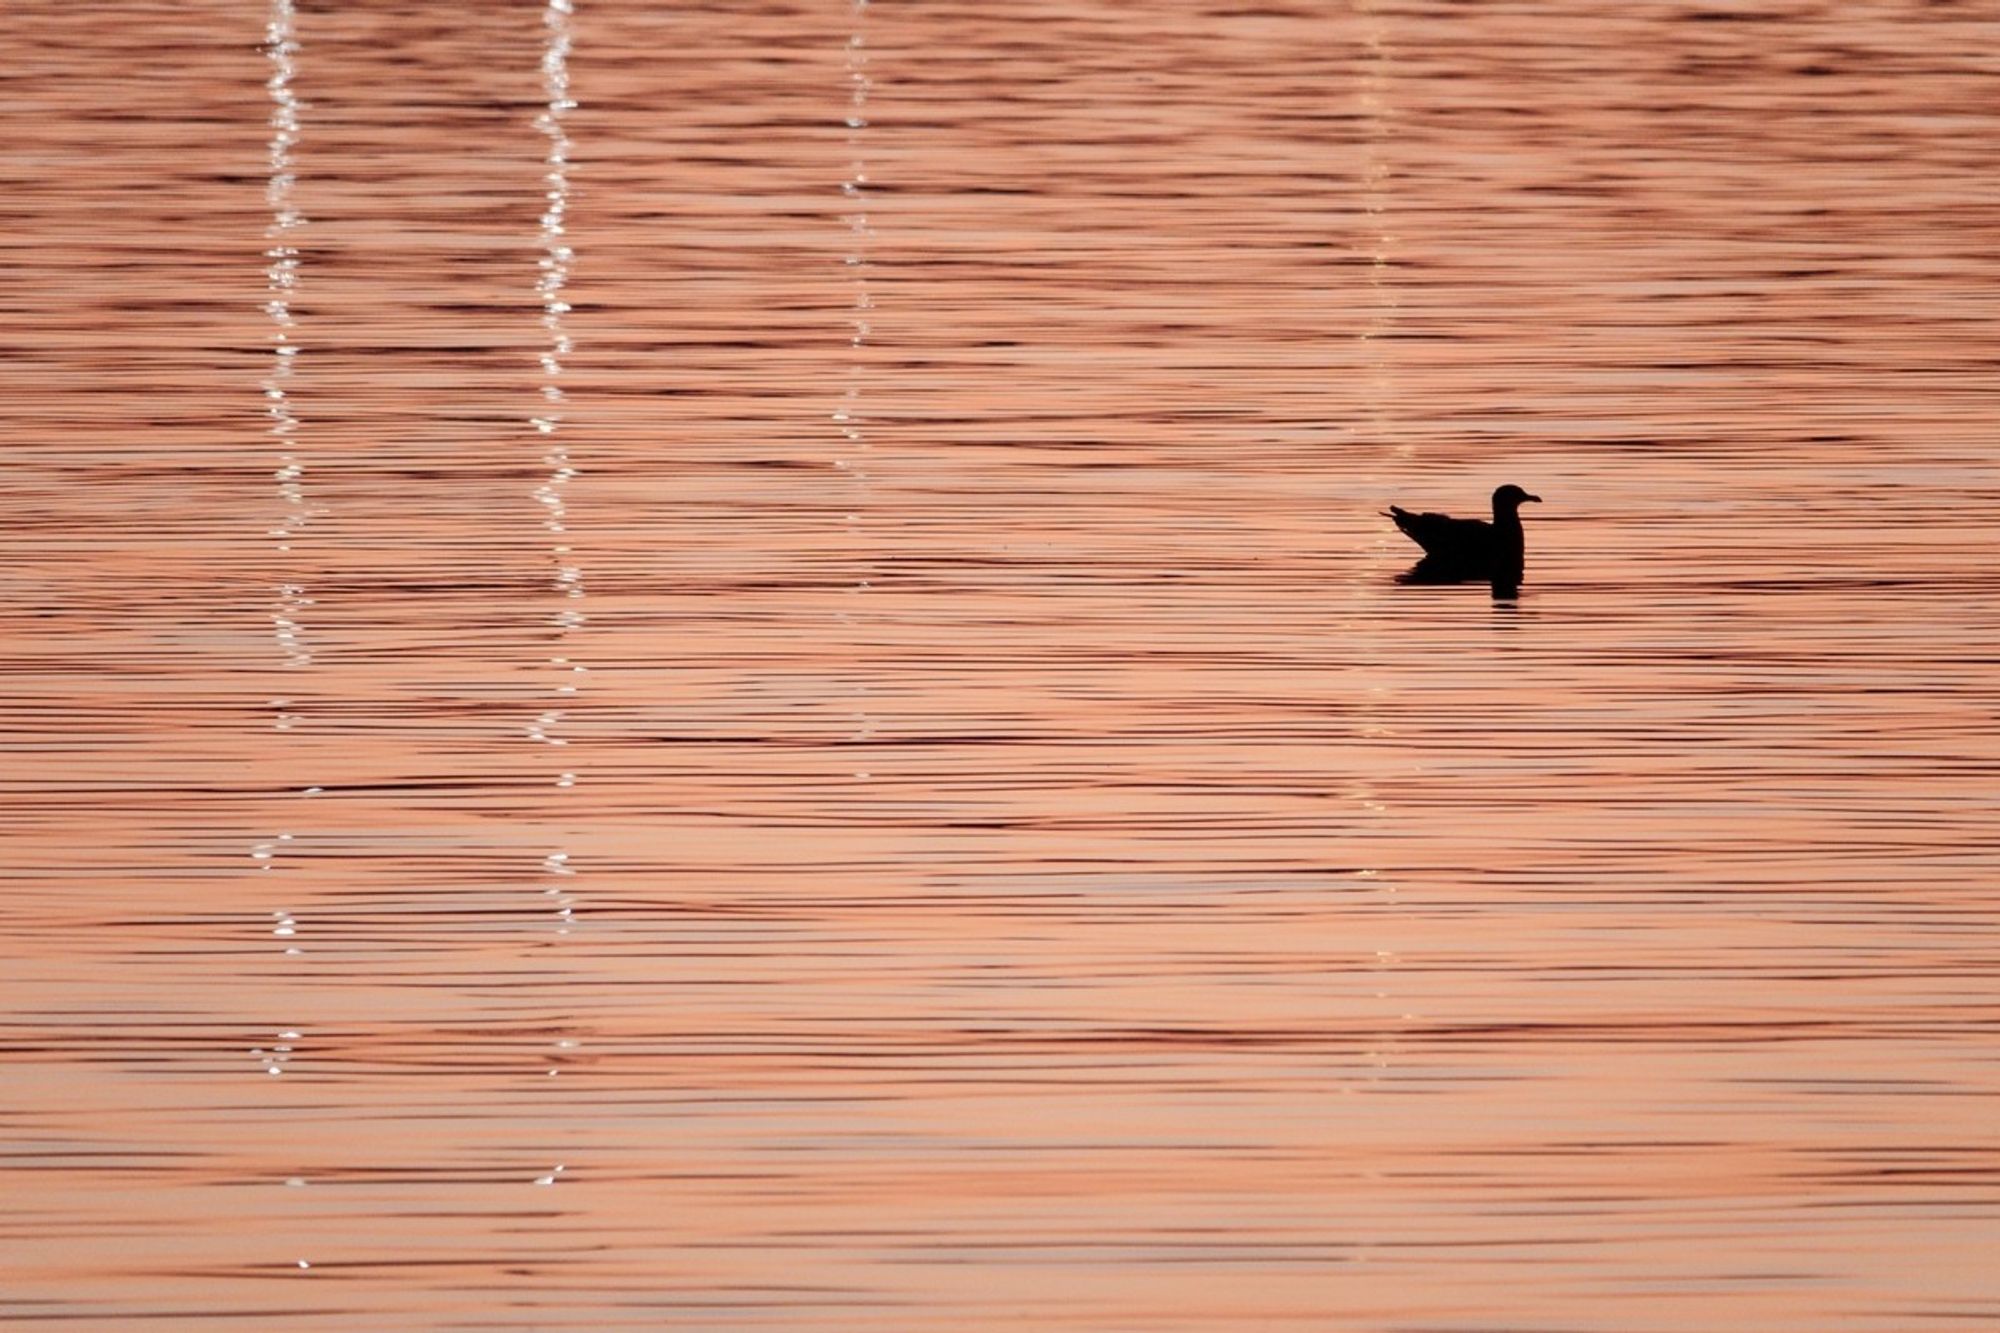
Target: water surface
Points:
(720, 666)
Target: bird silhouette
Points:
(1459, 550)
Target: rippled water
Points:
(726, 666)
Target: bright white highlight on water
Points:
(290, 601)
(281, 280)
(553, 268)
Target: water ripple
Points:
(815, 572)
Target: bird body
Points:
(1470, 548)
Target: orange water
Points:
(1013, 856)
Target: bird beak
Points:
(1536, 498)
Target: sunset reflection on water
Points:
(737, 666)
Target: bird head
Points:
(1511, 496)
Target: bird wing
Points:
(1443, 535)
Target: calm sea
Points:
(734, 666)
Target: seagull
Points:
(1469, 548)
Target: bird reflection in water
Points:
(1470, 550)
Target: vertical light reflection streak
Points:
(853, 459)
(1377, 390)
(1377, 322)
(555, 262)
(281, 276)
(291, 600)
(1378, 396)
(1372, 103)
